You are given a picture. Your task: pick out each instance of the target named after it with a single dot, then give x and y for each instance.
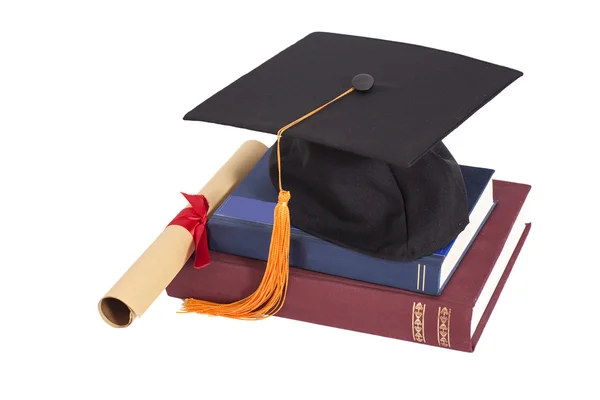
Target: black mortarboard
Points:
(369, 171)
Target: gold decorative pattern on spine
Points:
(418, 322)
(443, 326)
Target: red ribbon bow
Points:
(194, 220)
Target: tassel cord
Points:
(269, 297)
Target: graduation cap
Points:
(360, 160)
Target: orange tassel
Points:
(269, 297)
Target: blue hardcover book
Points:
(242, 225)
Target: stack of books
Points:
(444, 299)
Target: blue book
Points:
(242, 225)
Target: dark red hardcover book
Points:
(454, 320)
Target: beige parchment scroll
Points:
(152, 272)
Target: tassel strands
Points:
(270, 295)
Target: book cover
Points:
(242, 226)
(455, 320)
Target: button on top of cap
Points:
(363, 82)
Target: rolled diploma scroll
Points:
(152, 272)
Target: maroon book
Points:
(453, 320)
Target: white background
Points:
(94, 153)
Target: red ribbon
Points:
(194, 220)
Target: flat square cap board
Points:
(368, 171)
(419, 95)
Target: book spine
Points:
(249, 239)
(316, 298)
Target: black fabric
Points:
(420, 95)
(368, 172)
(369, 205)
